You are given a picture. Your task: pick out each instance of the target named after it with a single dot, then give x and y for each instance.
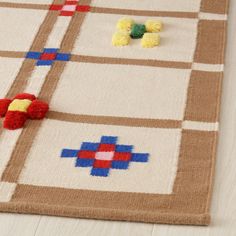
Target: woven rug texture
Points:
(93, 129)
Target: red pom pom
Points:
(4, 104)
(25, 96)
(14, 120)
(37, 109)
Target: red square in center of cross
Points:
(48, 56)
(103, 147)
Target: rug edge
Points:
(201, 219)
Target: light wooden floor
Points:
(224, 198)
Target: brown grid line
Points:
(12, 54)
(208, 6)
(133, 12)
(110, 120)
(105, 10)
(127, 61)
(110, 60)
(25, 6)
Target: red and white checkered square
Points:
(69, 8)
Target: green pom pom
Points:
(137, 31)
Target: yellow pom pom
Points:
(125, 24)
(150, 40)
(120, 38)
(153, 26)
(19, 105)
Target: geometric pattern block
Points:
(69, 8)
(105, 155)
(48, 56)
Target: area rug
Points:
(110, 109)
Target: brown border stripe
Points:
(211, 36)
(143, 13)
(24, 5)
(125, 61)
(206, 87)
(109, 120)
(188, 204)
(12, 54)
(197, 153)
(215, 6)
(107, 214)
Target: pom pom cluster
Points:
(127, 29)
(22, 107)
